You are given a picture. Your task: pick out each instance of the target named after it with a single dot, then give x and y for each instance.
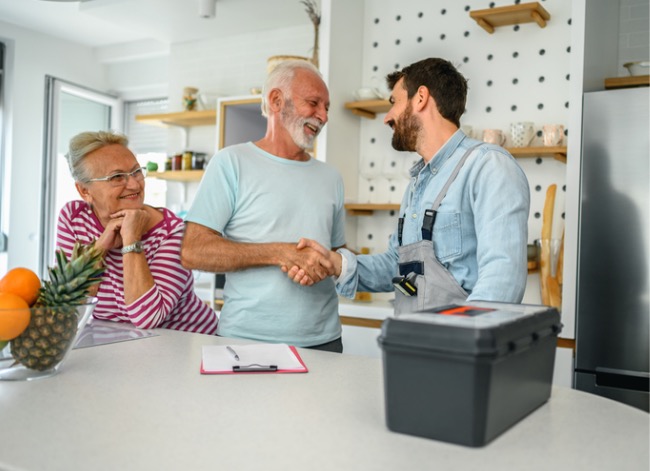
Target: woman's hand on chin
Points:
(111, 238)
(133, 222)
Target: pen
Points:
(233, 352)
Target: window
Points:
(148, 143)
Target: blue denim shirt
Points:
(481, 229)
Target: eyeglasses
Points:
(119, 179)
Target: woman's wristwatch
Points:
(137, 247)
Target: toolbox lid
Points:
(473, 328)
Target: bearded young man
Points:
(463, 226)
(255, 201)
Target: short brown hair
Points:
(446, 85)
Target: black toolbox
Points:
(466, 373)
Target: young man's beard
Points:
(295, 126)
(406, 130)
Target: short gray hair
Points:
(86, 142)
(281, 77)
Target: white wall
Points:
(32, 56)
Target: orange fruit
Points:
(14, 316)
(22, 282)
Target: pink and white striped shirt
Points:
(171, 303)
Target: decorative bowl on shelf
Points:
(638, 67)
(44, 345)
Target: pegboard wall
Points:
(519, 73)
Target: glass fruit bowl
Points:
(44, 345)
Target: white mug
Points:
(522, 133)
(552, 134)
(494, 136)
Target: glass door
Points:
(71, 109)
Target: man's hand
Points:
(312, 263)
(330, 261)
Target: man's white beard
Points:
(295, 126)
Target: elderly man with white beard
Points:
(256, 200)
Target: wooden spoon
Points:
(547, 230)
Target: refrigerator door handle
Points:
(623, 379)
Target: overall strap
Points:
(430, 214)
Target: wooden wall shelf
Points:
(182, 119)
(557, 152)
(178, 175)
(368, 108)
(626, 82)
(491, 18)
(367, 209)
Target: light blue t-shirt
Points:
(249, 195)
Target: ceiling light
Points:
(207, 8)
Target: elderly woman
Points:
(144, 282)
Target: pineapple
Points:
(53, 325)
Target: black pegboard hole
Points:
(540, 106)
(376, 20)
(515, 28)
(538, 161)
(372, 140)
(538, 187)
(541, 79)
(370, 236)
(539, 133)
(398, 17)
(466, 7)
(466, 34)
(515, 81)
(397, 42)
(375, 68)
(465, 59)
(375, 44)
(542, 52)
(420, 15)
(489, 83)
(443, 11)
(490, 57)
(419, 39)
(515, 54)
(443, 36)
(513, 108)
(488, 109)
(537, 215)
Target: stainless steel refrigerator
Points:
(612, 308)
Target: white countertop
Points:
(142, 404)
(378, 309)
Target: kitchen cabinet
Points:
(491, 18)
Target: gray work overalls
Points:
(419, 267)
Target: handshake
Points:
(309, 262)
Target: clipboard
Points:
(251, 358)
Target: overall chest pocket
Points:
(447, 236)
